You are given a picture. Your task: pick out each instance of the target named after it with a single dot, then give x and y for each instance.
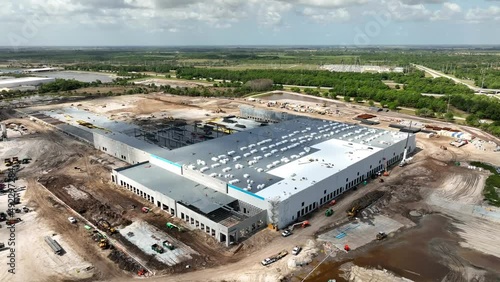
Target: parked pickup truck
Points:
(274, 258)
(168, 245)
(157, 248)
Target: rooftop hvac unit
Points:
(236, 158)
(260, 170)
(261, 186)
(226, 169)
(257, 158)
(307, 149)
(215, 165)
(276, 163)
(263, 149)
(283, 149)
(230, 153)
(224, 161)
(270, 166)
(203, 169)
(192, 166)
(215, 159)
(302, 154)
(252, 162)
(246, 175)
(254, 151)
(274, 151)
(272, 146)
(251, 146)
(267, 155)
(243, 148)
(234, 181)
(283, 137)
(213, 174)
(222, 156)
(238, 166)
(246, 155)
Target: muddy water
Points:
(424, 253)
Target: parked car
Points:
(286, 233)
(296, 250)
(72, 219)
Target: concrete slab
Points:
(145, 235)
(359, 233)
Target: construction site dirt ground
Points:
(425, 185)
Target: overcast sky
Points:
(248, 22)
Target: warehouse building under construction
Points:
(274, 174)
(231, 186)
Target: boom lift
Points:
(405, 160)
(304, 224)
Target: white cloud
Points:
(327, 3)
(477, 15)
(321, 16)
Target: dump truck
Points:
(157, 248)
(168, 245)
(274, 258)
(7, 162)
(363, 202)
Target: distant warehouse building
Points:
(24, 81)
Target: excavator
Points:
(105, 224)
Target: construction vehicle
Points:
(8, 162)
(329, 212)
(443, 147)
(381, 235)
(405, 159)
(26, 160)
(103, 243)
(145, 209)
(275, 258)
(15, 160)
(106, 225)
(168, 245)
(172, 226)
(304, 224)
(218, 110)
(141, 272)
(363, 203)
(86, 124)
(157, 248)
(13, 221)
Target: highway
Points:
(434, 73)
